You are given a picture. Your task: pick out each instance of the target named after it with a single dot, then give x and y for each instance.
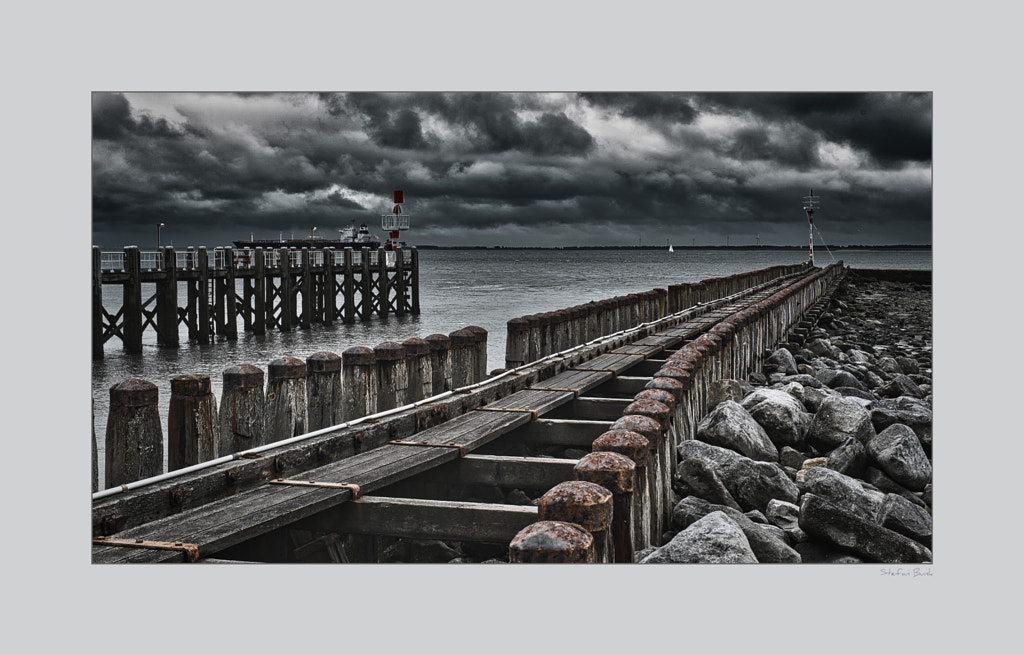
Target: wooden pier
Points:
(281, 289)
(584, 433)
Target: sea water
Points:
(458, 288)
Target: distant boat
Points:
(670, 248)
(348, 238)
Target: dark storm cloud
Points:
(490, 167)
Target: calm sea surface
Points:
(458, 288)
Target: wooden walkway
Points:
(320, 499)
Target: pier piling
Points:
(242, 410)
(191, 421)
(323, 390)
(134, 440)
(286, 399)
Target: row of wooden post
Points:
(618, 503)
(213, 311)
(300, 396)
(534, 336)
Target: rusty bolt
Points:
(358, 356)
(662, 396)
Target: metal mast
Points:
(810, 204)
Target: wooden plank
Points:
(427, 519)
(592, 408)
(624, 386)
(504, 471)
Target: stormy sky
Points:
(514, 169)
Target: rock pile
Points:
(826, 456)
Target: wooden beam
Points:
(426, 519)
(503, 471)
(561, 432)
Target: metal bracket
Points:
(462, 448)
(191, 551)
(354, 488)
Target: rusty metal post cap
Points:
(388, 351)
(613, 471)
(645, 425)
(190, 385)
(671, 386)
(242, 377)
(286, 368)
(646, 407)
(461, 338)
(517, 325)
(585, 503)
(358, 356)
(416, 346)
(556, 542)
(624, 442)
(134, 393)
(663, 396)
(438, 341)
(323, 362)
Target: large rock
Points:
(836, 420)
(883, 482)
(722, 390)
(752, 484)
(910, 411)
(768, 542)
(786, 516)
(851, 458)
(901, 385)
(899, 454)
(780, 414)
(730, 426)
(701, 480)
(714, 539)
(901, 515)
(845, 492)
(824, 520)
(781, 361)
(834, 379)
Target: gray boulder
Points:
(780, 414)
(899, 454)
(752, 484)
(836, 420)
(713, 539)
(781, 361)
(722, 390)
(824, 520)
(701, 480)
(786, 516)
(819, 552)
(844, 492)
(884, 483)
(835, 378)
(851, 458)
(768, 542)
(791, 457)
(900, 385)
(730, 426)
(901, 515)
(908, 366)
(804, 380)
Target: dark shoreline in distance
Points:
(803, 247)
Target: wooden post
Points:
(204, 296)
(533, 352)
(132, 300)
(286, 399)
(308, 297)
(415, 281)
(587, 504)
(552, 542)
(392, 375)
(359, 383)
(366, 285)
(617, 474)
(348, 284)
(230, 296)
(383, 288)
(517, 342)
(461, 352)
(219, 294)
(418, 365)
(287, 292)
(329, 288)
(323, 387)
(134, 442)
(259, 292)
(95, 450)
(242, 410)
(97, 304)
(167, 302)
(440, 363)
(191, 422)
(400, 299)
(650, 429)
(635, 447)
(479, 352)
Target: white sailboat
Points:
(669, 246)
